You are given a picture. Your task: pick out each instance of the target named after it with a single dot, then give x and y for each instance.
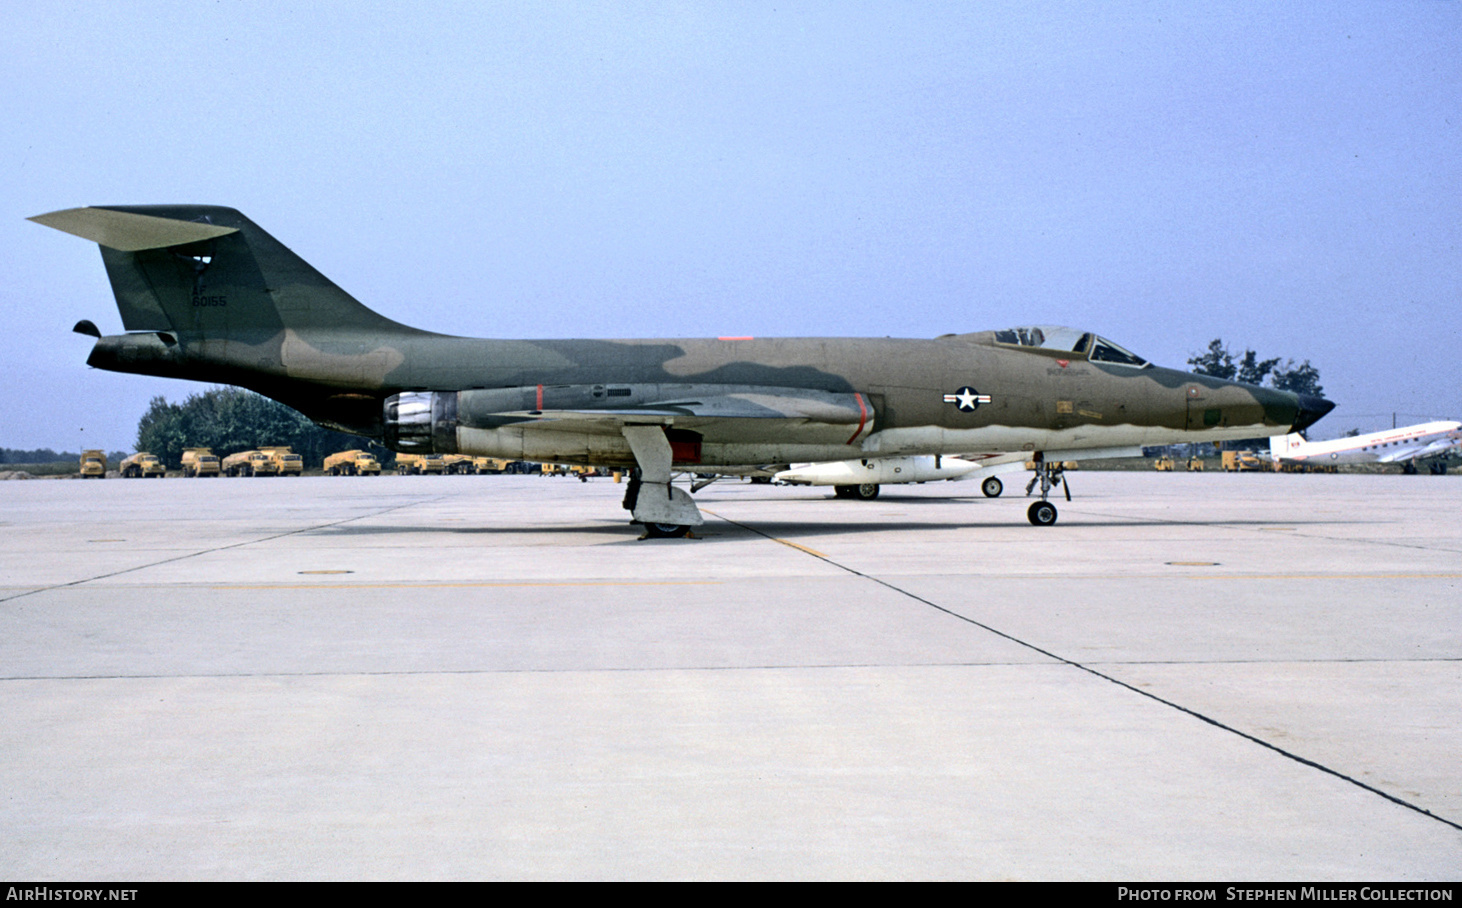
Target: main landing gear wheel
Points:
(865, 492)
(992, 487)
(1042, 514)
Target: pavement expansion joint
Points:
(219, 548)
(1106, 677)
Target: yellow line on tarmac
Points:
(787, 542)
(800, 548)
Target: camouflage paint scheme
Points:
(207, 295)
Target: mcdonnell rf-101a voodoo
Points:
(207, 295)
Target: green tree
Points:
(1252, 370)
(1217, 362)
(1301, 379)
(163, 430)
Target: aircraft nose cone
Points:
(1311, 408)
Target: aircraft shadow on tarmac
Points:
(721, 526)
(615, 528)
(793, 529)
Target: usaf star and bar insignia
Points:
(967, 399)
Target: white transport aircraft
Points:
(1430, 442)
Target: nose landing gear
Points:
(1042, 513)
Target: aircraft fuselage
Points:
(1028, 400)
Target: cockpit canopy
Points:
(1079, 344)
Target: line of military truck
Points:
(275, 461)
(452, 464)
(281, 461)
(1240, 462)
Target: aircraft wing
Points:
(1440, 446)
(844, 416)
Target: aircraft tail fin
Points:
(1281, 446)
(211, 272)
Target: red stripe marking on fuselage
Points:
(862, 418)
(540, 398)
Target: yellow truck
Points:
(459, 463)
(1067, 465)
(353, 463)
(286, 462)
(1244, 462)
(93, 464)
(199, 462)
(420, 464)
(1168, 464)
(142, 465)
(249, 463)
(473, 466)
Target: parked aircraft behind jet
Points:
(1432, 443)
(206, 295)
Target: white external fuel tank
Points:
(880, 471)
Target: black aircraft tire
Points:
(843, 491)
(665, 531)
(992, 487)
(866, 491)
(1042, 514)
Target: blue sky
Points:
(1286, 176)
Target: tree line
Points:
(47, 455)
(229, 420)
(1217, 361)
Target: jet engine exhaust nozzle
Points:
(422, 422)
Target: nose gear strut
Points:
(1042, 513)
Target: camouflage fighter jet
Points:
(206, 295)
